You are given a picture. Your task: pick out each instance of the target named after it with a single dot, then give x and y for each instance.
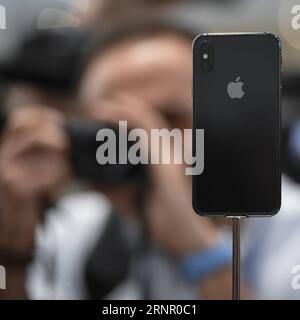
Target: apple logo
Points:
(235, 89)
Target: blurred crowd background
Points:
(70, 229)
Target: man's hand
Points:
(33, 155)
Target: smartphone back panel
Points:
(236, 100)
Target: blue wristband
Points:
(200, 264)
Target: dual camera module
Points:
(206, 56)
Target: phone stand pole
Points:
(236, 258)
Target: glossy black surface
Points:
(242, 136)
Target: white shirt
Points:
(64, 244)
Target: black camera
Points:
(83, 149)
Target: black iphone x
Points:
(236, 101)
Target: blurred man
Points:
(142, 75)
(39, 96)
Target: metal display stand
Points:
(236, 258)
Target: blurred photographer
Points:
(138, 249)
(34, 161)
(140, 72)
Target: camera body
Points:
(83, 149)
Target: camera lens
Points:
(206, 56)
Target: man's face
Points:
(156, 69)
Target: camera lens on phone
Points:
(206, 56)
